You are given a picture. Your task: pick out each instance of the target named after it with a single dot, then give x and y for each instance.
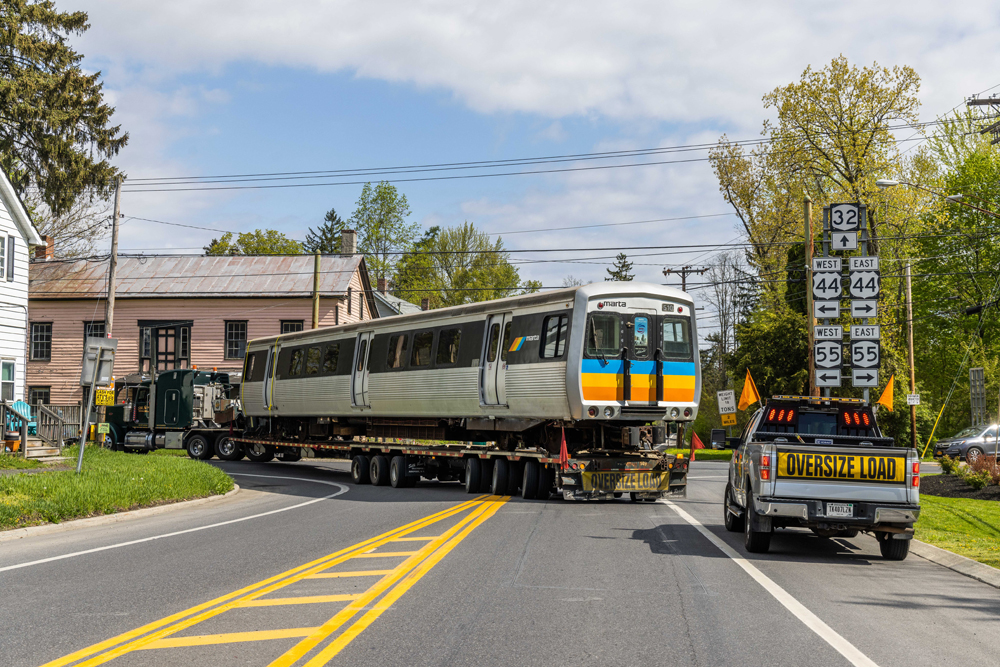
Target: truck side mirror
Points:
(732, 443)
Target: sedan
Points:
(969, 444)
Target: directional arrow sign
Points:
(864, 264)
(828, 354)
(844, 240)
(826, 309)
(865, 354)
(845, 217)
(863, 377)
(864, 284)
(827, 264)
(865, 332)
(828, 378)
(828, 333)
(826, 285)
(863, 307)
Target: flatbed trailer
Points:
(587, 475)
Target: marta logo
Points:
(611, 304)
(600, 305)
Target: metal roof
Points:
(170, 276)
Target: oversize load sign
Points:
(850, 467)
(626, 481)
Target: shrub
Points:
(978, 480)
(987, 466)
(949, 466)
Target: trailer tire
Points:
(513, 477)
(755, 541)
(892, 549)
(544, 483)
(379, 470)
(360, 465)
(485, 475)
(258, 453)
(733, 521)
(500, 474)
(397, 473)
(473, 475)
(197, 447)
(227, 449)
(529, 482)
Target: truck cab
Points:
(822, 464)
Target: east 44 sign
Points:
(864, 284)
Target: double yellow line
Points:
(396, 581)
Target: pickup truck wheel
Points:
(892, 549)
(228, 449)
(733, 520)
(359, 469)
(500, 475)
(197, 447)
(258, 453)
(473, 475)
(529, 482)
(849, 533)
(755, 541)
(379, 470)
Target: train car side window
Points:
(604, 336)
(554, 336)
(331, 358)
(295, 365)
(448, 344)
(423, 343)
(361, 355)
(505, 343)
(491, 346)
(312, 361)
(397, 351)
(248, 365)
(676, 338)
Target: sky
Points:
(214, 87)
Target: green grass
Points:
(8, 462)
(111, 482)
(169, 452)
(705, 454)
(964, 526)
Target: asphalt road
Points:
(472, 580)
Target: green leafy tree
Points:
(55, 130)
(383, 231)
(257, 242)
(621, 269)
(326, 239)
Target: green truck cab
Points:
(180, 409)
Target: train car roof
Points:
(590, 291)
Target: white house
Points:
(17, 233)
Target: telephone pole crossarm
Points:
(684, 271)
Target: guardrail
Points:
(51, 427)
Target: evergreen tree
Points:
(621, 270)
(326, 239)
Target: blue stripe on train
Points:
(615, 366)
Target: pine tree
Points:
(621, 270)
(326, 239)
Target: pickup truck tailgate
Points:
(843, 473)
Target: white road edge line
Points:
(811, 620)
(343, 489)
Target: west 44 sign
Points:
(826, 285)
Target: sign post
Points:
(97, 367)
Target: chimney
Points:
(348, 242)
(381, 285)
(47, 251)
(425, 304)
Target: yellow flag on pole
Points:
(886, 398)
(749, 394)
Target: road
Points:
(306, 568)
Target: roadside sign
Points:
(864, 308)
(828, 354)
(826, 285)
(864, 377)
(104, 427)
(828, 264)
(865, 332)
(729, 419)
(104, 397)
(864, 264)
(831, 332)
(864, 284)
(913, 399)
(826, 309)
(830, 378)
(845, 217)
(844, 240)
(727, 401)
(865, 354)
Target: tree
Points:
(326, 239)
(621, 269)
(383, 231)
(76, 231)
(571, 281)
(55, 131)
(257, 242)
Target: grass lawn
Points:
(169, 452)
(8, 462)
(706, 454)
(111, 482)
(967, 527)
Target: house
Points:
(17, 235)
(389, 304)
(180, 311)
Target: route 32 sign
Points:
(865, 284)
(865, 354)
(826, 285)
(845, 217)
(828, 354)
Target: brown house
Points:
(178, 311)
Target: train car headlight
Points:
(674, 412)
(592, 411)
(609, 412)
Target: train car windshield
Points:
(676, 338)
(604, 335)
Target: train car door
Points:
(359, 378)
(272, 357)
(493, 362)
(641, 342)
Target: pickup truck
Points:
(822, 464)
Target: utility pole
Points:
(909, 341)
(807, 205)
(684, 271)
(315, 320)
(109, 312)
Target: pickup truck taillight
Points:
(765, 466)
(916, 473)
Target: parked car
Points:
(969, 443)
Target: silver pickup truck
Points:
(821, 463)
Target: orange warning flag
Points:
(886, 398)
(696, 442)
(750, 394)
(563, 452)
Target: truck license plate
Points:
(840, 509)
(626, 481)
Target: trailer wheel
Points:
(473, 475)
(755, 541)
(500, 475)
(529, 482)
(397, 473)
(733, 521)
(544, 483)
(379, 470)
(514, 473)
(197, 447)
(486, 475)
(259, 453)
(359, 469)
(892, 549)
(228, 449)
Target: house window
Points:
(41, 341)
(3, 257)
(291, 326)
(236, 340)
(93, 330)
(350, 297)
(10, 259)
(7, 380)
(39, 395)
(164, 346)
